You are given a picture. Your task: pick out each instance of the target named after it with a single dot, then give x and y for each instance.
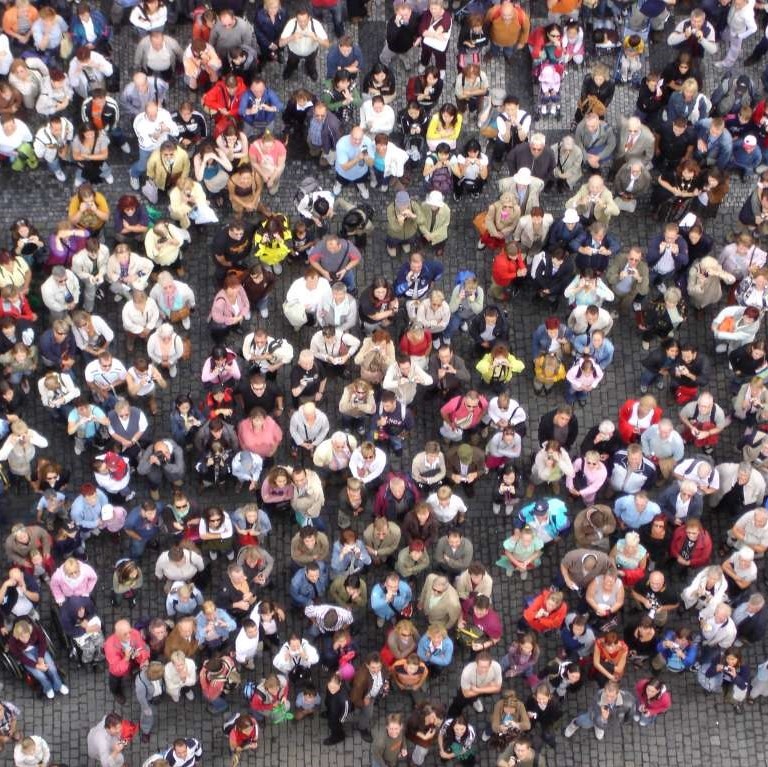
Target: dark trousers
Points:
(118, 685)
(310, 64)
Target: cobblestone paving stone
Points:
(697, 728)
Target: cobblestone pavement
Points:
(698, 729)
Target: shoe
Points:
(135, 183)
(480, 245)
(154, 495)
(636, 717)
(186, 323)
(721, 348)
(695, 667)
(485, 737)
(384, 188)
(49, 694)
(230, 555)
(120, 699)
(60, 175)
(145, 737)
(63, 690)
(109, 179)
(496, 508)
(189, 694)
(643, 389)
(277, 269)
(264, 313)
(599, 734)
(524, 575)
(720, 64)
(374, 182)
(363, 189)
(118, 298)
(126, 147)
(380, 623)
(336, 189)
(130, 495)
(332, 741)
(366, 736)
(464, 327)
(646, 345)
(214, 555)
(477, 704)
(570, 730)
(78, 449)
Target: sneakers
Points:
(374, 182)
(189, 694)
(486, 736)
(79, 447)
(570, 730)
(277, 268)
(126, 147)
(135, 183)
(496, 508)
(477, 704)
(264, 313)
(721, 348)
(384, 188)
(336, 189)
(60, 175)
(214, 555)
(186, 323)
(464, 327)
(50, 694)
(380, 623)
(599, 734)
(643, 389)
(363, 189)
(173, 371)
(661, 385)
(109, 178)
(524, 575)
(480, 245)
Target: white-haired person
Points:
(165, 348)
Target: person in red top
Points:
(609, 658)
(416, 342)
(652, 698)
(13, 303)
(477, 612)
(244, 735)
(691, 546)
(636, 415)
(222, 101)
(508, 266)
(545, 612)
(125, 651)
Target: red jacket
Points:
(416, 349)
(20, 311)
(218, 98)
(626, 430)
(702, 549)
(656, 706)
(117, 663)
(505, 269)
(552, 621)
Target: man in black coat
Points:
(560, 424)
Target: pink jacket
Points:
(221, 309)
(455, 411)
(595, 476)
(264, 442)
(62, 587)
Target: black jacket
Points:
(547, 429)
(500, 332)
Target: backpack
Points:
(229, 724)
(441, 179)
(731, 94)
(307, 185)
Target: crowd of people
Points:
(362, 403)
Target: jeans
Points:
(105, 170)
(337, 14)
(453, 325)
(571, 395)
(648, 377)
(218, 705)
(507, 50)
(140, 166)
(50, 679)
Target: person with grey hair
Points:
(148, 686)
(663, 445)
(333, 348)
(340, 310)
(165, 347)
(308, 427)
(175, 299)
(751, 529)
(740, 571)
(751, 619)
(535, 155)
(741, 488)
(632, 180)
(718, 632)
(681, 501)
(569, 159)
(163, 459)
(60, 292)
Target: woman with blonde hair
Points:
(630, 558)
(28, 645)
(589, 475)
(163, 244)
(357, 405)
(189, 205)
(401, 642)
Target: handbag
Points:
(479, 222)
(179, 314)
(149, 190)
(186, 349)
(685, 394)
(66, 47)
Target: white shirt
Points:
(137, 320)
(305, 46)
(152, 133)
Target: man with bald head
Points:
(635, 142)
(354, 159)
(125, 652)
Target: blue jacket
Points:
(440, 657)
(222, 632)
(653, 254)
(667, 501)
(674, 663)
(303, 592)
(430, 272)
(389, 610)
(560, 235)
(541, 340)
(100, 27)
(336, 60)
(602, 356)
(85, 516)
(719, 152)
(743, 160)
(557, 521)
(270, 99)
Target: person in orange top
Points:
(508, 266)
(562, 10)
(508, 27)
(222, 102)
(609, 658)
(21, 9)
(546, 612)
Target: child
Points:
(301, 243)
(522, 552)
(19, 363)
(472, 41)
(272, 241)
(631, 60)
(550, 79)
(307, 702)
(506, 491)
(573, 46)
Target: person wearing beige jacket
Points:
(705, 278)
(439, 601)
(594, 202)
